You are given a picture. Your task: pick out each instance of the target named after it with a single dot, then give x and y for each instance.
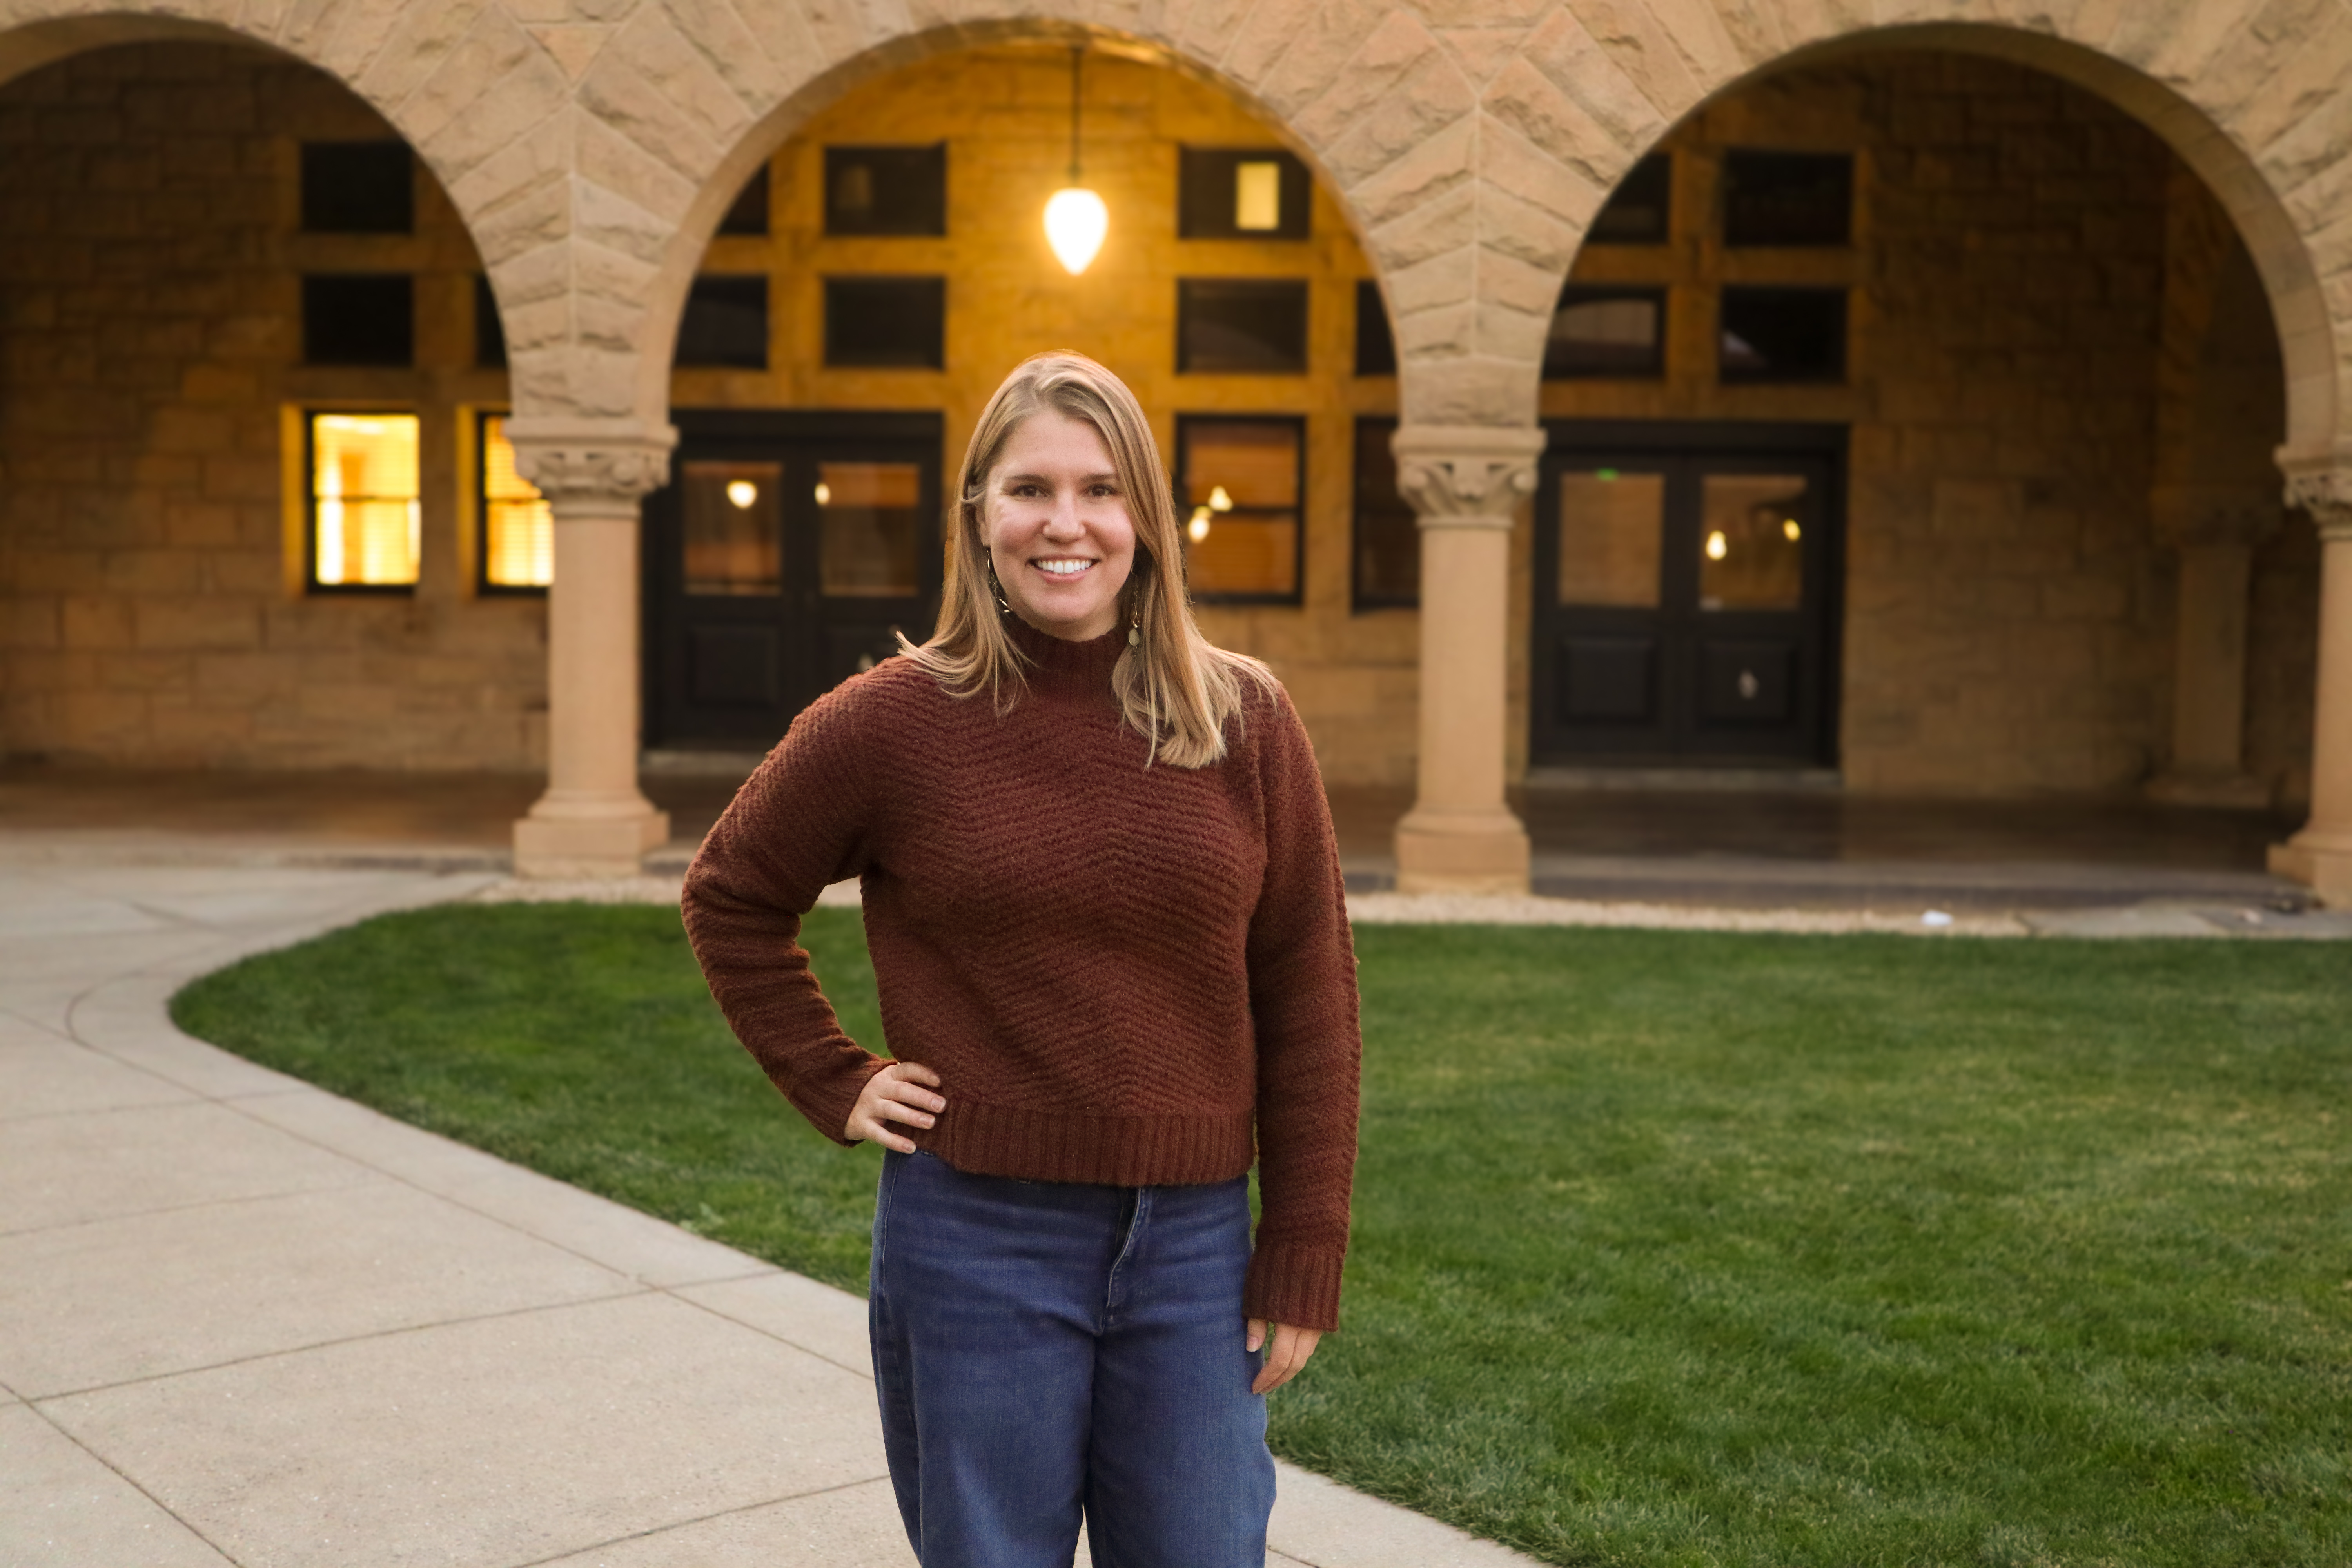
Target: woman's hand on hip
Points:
(1288, 1353)
(899, 1092)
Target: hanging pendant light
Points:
(1076, 218)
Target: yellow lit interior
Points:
(363, 499)
(517, 526)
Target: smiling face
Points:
(1058, 527)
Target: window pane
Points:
(1607, 333)
(1388, 535)
(1240, 493)
(363, 499)
(897, 322)
(1752, 542)
(734, 527)
(726, 322)
(358, 188)
(1241, 193)
(865, 540)
(359, 318)
(1241, 324)
(1611, 528)
(748, 213)
(886, 190)
(1375, 344)
(517, 526)
(1637, 211)
(1783, 334)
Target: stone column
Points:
(1465, 482)
(2320, 854)
(2215, 528)
(593, 821)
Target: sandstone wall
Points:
(150, 269)
(2008, 617)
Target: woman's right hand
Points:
(899, 1092)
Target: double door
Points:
(1685, 596)
(784, 556)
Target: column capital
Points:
(578, 464)
(1466, 475)
(2320, 483)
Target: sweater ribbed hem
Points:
(1293, 1285)
(1112, 1150)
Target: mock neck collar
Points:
(1064, 667)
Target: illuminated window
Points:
(1241, 487)
(364, 525)
(517, 526)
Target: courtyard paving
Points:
(242, 1321)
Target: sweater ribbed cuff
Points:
(1293, 1285)
(828, 1104)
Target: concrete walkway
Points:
(242, 1321)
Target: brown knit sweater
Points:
(1117, 970)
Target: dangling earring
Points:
(1135, 624)
(995, 587)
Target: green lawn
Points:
(1671, 1248)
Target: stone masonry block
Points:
(1528, 103)
(1503, 333)
(1987, 509)
(1566, 53)
(1515, 284)
(1444, 227)
(540, 155)
(1508, 162)
(1439, 164)
(526, 98)
(1630, 37)
(1323, 39)
(1432, 96)
(426, 35)
(1468, 390)
(607, 159)
(1450, 279)
(484, 74)
(1395, 47)
(613, 92)
(536, 222)
(704, 94)
(191, 624)
(721, 35)
(611, 220)
(1443, 331)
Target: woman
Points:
(1104, 906)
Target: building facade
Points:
(1940, 396)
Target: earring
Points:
(1134, 626)
(995, 587)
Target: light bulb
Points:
(1219, 501)
(742, 492)
(1791, 529)
(1199, 527)
(1076, 222)
(824, 493)
(1718, 547)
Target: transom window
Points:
(364, 500)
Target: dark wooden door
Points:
(785, 552)
(1686, 594)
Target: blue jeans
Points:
(1043, 1349)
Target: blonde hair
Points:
(1178, 690)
